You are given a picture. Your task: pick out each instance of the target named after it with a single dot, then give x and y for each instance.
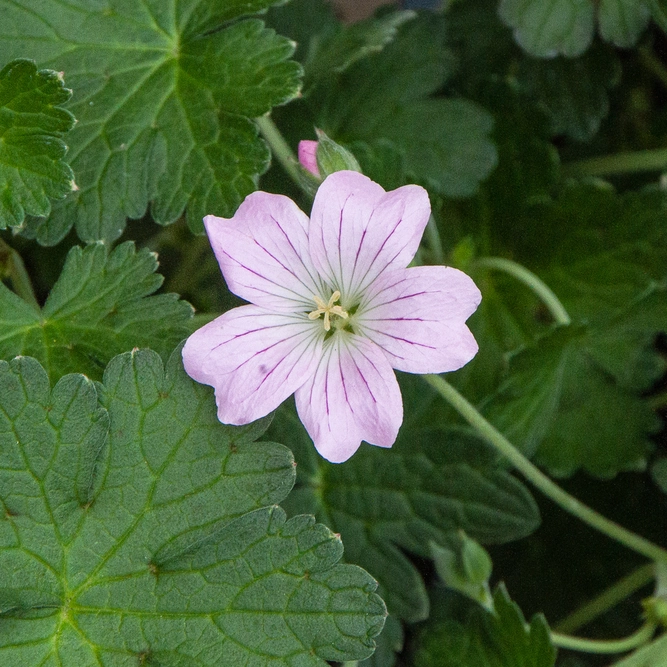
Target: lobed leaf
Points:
(164, 93)
(99, 307)
(32, 125)
(139, 533)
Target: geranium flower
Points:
(333, 307)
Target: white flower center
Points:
(327, 309)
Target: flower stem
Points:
(621, 163)
(536, 477)
(12, 267)
(528, 278)
(279, 147)
(609, 598)
(642, 636)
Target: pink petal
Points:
(357, 230)
(417, 317)
(255, 359)
(352, 396)
(308, 156)
(263, 253)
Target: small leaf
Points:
(489, 639)
(546, 28)
(100, 306)
(32, 125)
(160, 547)
(164, 94)
(623, 21)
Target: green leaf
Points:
(164, 92)
(560, 405)
(498, 639)
(573, 91)
(151, 542)
(659, 473)
(99, 307)
(388, 96)
(622, 22)
(651, 655)
(546, 28)
(32, 125)
(433, 481)
(346, 46)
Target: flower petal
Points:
(417, 317)
(307, 153)
(352, 396)
(263, 253)
(255, 359)
(357, 230)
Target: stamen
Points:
(327, 309)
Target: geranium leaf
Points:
(139, 533)
(164, 93)
(431, 482)
(100, 306)
(546, 28)
(489, 639)
(573, 91)
(32, 126)
(390, 96)
(622, 22)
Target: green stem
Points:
(609, 598)
(534, 475)
(15, 270)
(279, 147)
(621, 163)
(642, 636)
(528, 278)
(653, 64)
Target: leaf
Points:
(659, 473)
(164, 93)
(433, 481)
(499, 639)
(32, 125)
(561, 406)
(623, 21)
(153, 544)
(546, 28)
(573, 91)
(349, 45)
(99, 307)
(651, 655)
(388, 95)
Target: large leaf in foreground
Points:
(99, 307)
(32, 125)
(164, 92)
(498, 639)
(431, 482)
(139, 533)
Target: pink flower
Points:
(307, 152)
(332, 309)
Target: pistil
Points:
(327, 309)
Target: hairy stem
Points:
(541, 481)
(642, 636)
(609, 598)
(434, 241)
(279, 147)
(12, 267)
(528, 278)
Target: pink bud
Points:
(308, 156)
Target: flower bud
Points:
(324, 156)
